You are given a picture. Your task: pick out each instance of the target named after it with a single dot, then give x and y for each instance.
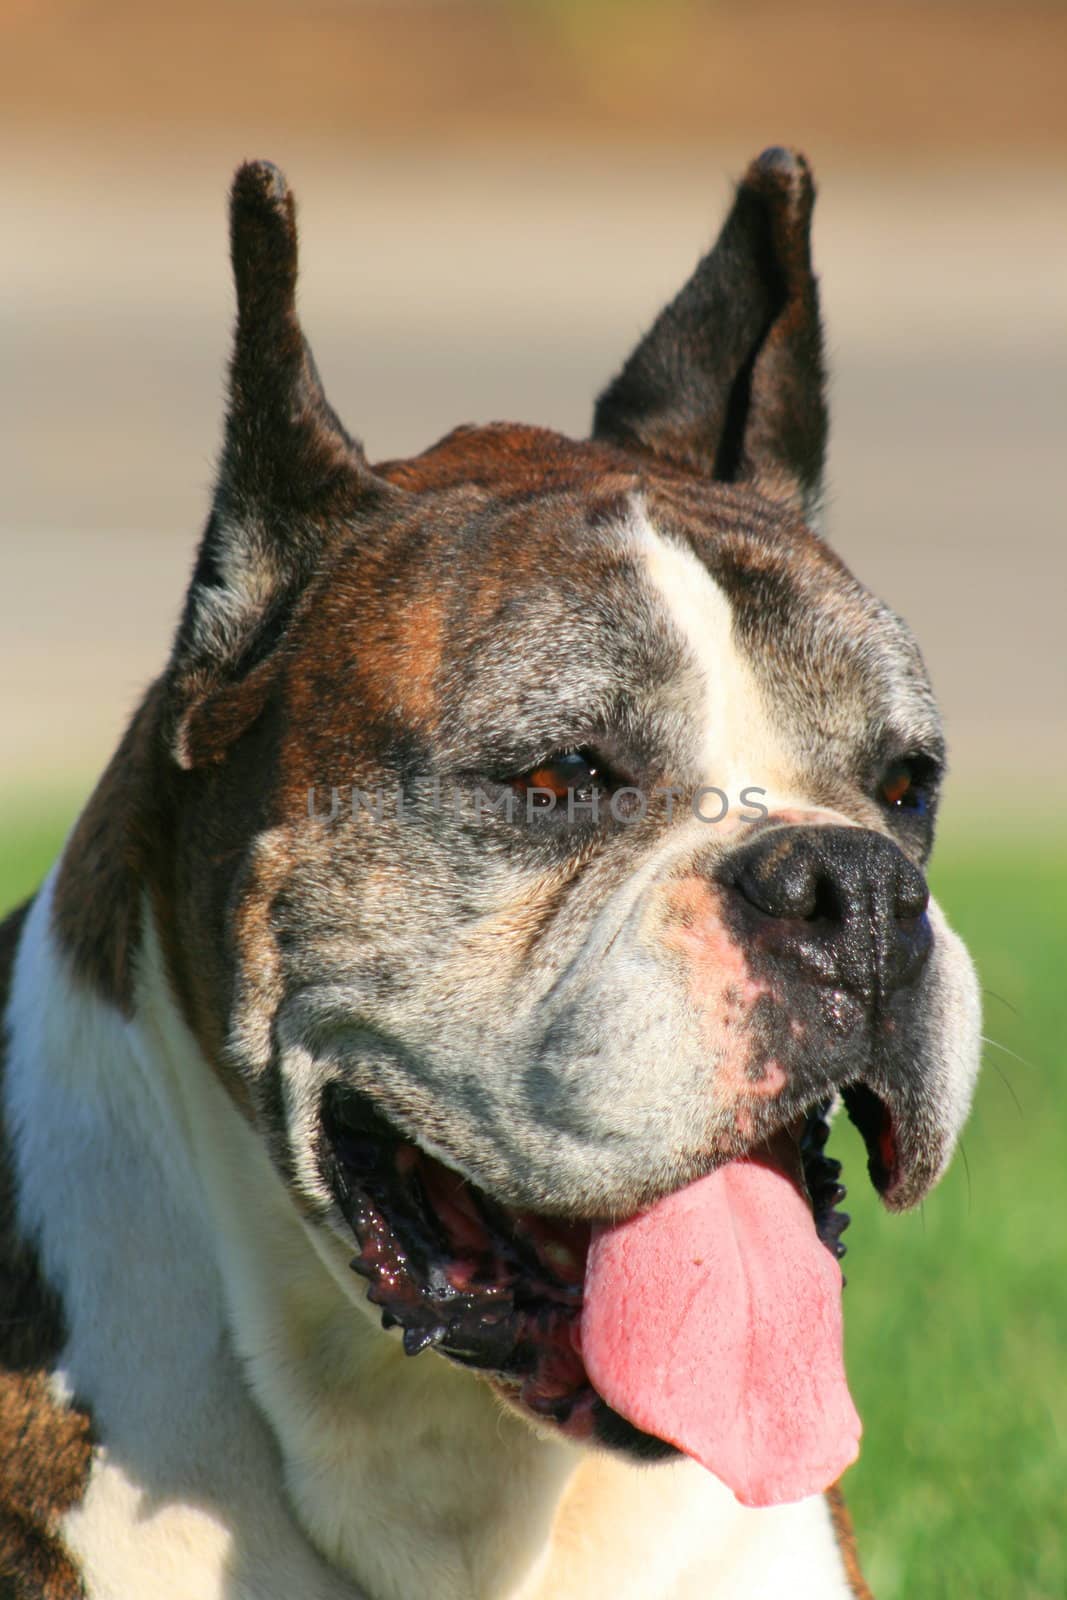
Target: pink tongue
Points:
(714, 1321)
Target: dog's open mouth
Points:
(545, 1306)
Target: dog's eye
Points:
(577, 772)
(908, 785)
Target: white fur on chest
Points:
(185, 1497)
(243, 1400)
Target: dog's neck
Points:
(198, 1302)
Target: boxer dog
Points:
(419, 1062)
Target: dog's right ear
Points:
(729, 381)
(291, 481)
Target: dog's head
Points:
(553, 815)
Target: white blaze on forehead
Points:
(735, 742)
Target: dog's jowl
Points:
(418, 1067)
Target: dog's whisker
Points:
(1023, 1061)
(993, 995)
(1006, 1081)
(967, 1174)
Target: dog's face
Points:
(569, 803)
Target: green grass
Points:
(31, 835)
(956, 1314)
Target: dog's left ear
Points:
(291, 482)
(729, 382)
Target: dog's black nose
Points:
(844, 904)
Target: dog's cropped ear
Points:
(290, 481)
(729, 382)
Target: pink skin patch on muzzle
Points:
(722, 989)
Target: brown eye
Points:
(896, 784)
(909, 785)
(576, 771)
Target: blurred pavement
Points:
(443, 289)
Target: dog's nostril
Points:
(825, 901)
(794, 886)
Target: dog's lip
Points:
(356, 1112)
(491, 1288)
(873, 1118)
(900, 1167)
(902, 1159)
(907, 1141)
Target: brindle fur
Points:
(45, 1445)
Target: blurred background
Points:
(495, 200)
